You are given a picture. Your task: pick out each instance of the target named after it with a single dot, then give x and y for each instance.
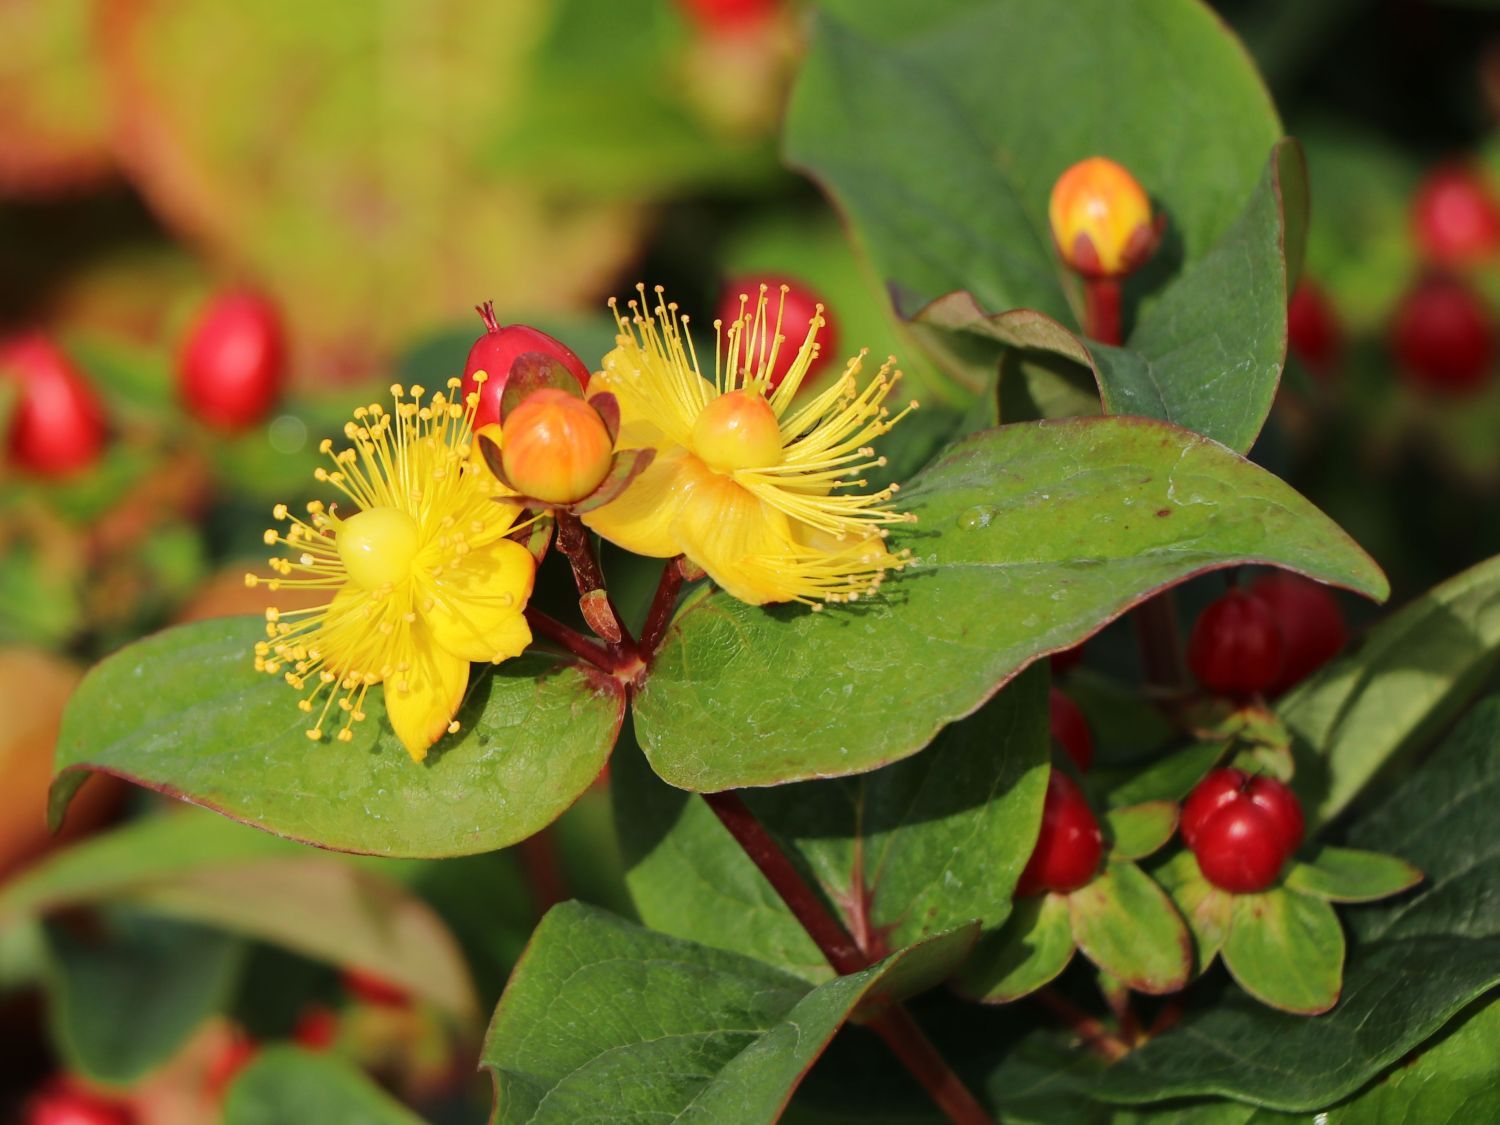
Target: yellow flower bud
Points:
(1101, 219)
(555, 447)
(738, 430)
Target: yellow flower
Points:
(421, 577)
(756, 489)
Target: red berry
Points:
(1236, 648)
(1443, 336)
(1070, 845)
(722, 16)
(1312, 328)
(63, 1102)
(1219, 788)
(1239, 848)
(375, 990)
(317, 1028)
(1455, 218)
(797, 309)
(1070, 730)
(232, 366)
(1281, 804)
(1311, 623)
(234, 1057)
(495, 351)
(57, 422)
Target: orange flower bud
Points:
(738, 430)
(555, 447)
(1101, 219)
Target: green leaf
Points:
(601, 1013)
(1286, 949)
(873, 114)
(914, 849)
(1204, 907)
(1052, 529)
(1135, 831)
(1408, 680)
(284, 1086)
(1125, 923)
(185, 712)
(1170, 778)
(1348, 875)
(121, 1004)
(1413, 964)
(1030, 950)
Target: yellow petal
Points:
(477, 606)
(640, 519)
(422, 700)
(637, 430)
(732, 535)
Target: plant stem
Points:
(1101, 310)
(571, 640)
(1085, 1026)
(598, 610)
(544, 870)
(663, 602)
(894, 1024)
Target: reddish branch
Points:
(1093, 1033)
(571, 640)
(659, 616)
(598, 609)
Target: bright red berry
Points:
(57, 422)
(1070, 845)
(1236, 647)
(723, 16)
(317, 1028)
(1311, 623)
(232, 366)
(1454, 217)
(1281, 804)
(1070, 729)
(376, 990)
(1217, 789)
(499, 347)
(1443, 336)
(1312, 328)
(797, 308)
(63, 1102)
(1239, 848)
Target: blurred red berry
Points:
(1312, 328)
(499, 347)
(1455, 218)
(232, 367)
(1217, 789)
(64, 1102)
(234, 1057)
(317, 1028)
(1070, 730)
(797, 309)
(57, 422)
(1070, 845)
(1281, 804)
(1311, 623)
(1443, 336)
(1239, 848)
(1236, 648)
(722, 16)
(375, 990)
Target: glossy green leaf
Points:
(601, 1013)
(283, 1085)
(1135, 831)
(1205, 908)
(1125, 923)
(123, 1000)
(875, 112)
(1349, 875)
(1413, 964)
(185, 712)
(1030, 950)
(1170, 778)
(1286, 949)
(1029, 539)
(1407, 680)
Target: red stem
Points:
(894, 1024)
(544, 870)
(659, 616)
(573, 541)
(1085, 1026)
(571, 640)
(1101, 313)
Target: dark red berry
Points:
(724, 16)
(376, 990)
(57, 422)
(1311, 623)
(1070, 730)
(1070, 845)
(1312, 328)
(1443, 337)
(1065, 661)
(495, 351)
(232, 367)
(64, 1102)
(796, 309)
(317, 1028)
(1236, 647)
(1239, 848)
(1281, 804)
(1217, 789)
(1455, 218)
